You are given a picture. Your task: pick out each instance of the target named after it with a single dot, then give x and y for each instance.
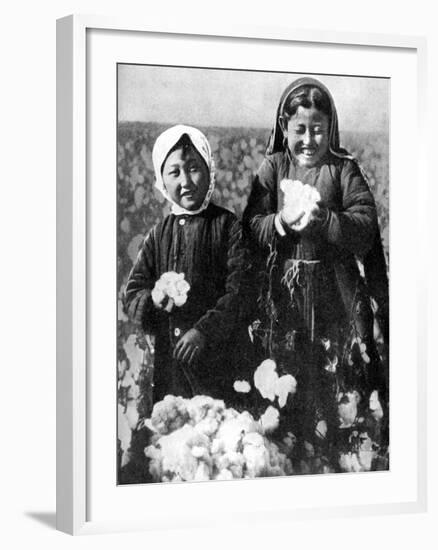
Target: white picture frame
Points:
(76, 213)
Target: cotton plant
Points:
(270, 386)
(201, 439)
(170, 289)
(361, 420)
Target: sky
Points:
(212, 97)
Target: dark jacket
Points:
(207, 248)
(348, 226)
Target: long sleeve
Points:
(259, 215)
(218, 323)
(137, 300)
(354, 226)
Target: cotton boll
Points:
(198, 407)
(265, 379)
(375, 406)
(236, 464)
(241, 386)
(248, 423)
(231, 431)
(179, 299)
(174, 286)
(199, 452)
(299, 198)
(347, 408)
(148, 423)
(270, 419)
(207, 426)
(170, 277)
(231, 460)
(229, 414)
(321, 429)
(177, 457)
(216, 446)
(284, 386)
(157, 296)
(253, 438)
(169, 414)
(366, 452)
(221, 461)
(179, 292)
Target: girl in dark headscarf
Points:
(315, 304)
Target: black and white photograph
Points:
(253, 274)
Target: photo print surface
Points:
(253, 267)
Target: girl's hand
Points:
(166, 304)
(289, 218)
(189, 347)
(308, 221)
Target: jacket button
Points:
(182, 221)
(177, 332)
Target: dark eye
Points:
(300, 130)
(318, 130)
(194, 168)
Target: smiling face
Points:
(186, 177)
(307, 135)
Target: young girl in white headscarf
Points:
(185, 285)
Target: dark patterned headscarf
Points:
(276, 141)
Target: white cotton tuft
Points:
(270, 419)
(241, 386)
(299, 198)
(284, 386)
(265, 379)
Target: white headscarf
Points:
(164, 144)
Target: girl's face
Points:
(307, 134)
(186, 178)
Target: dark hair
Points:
(307, 96)
(185, 144)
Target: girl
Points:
(315, 305)
(195, 330)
